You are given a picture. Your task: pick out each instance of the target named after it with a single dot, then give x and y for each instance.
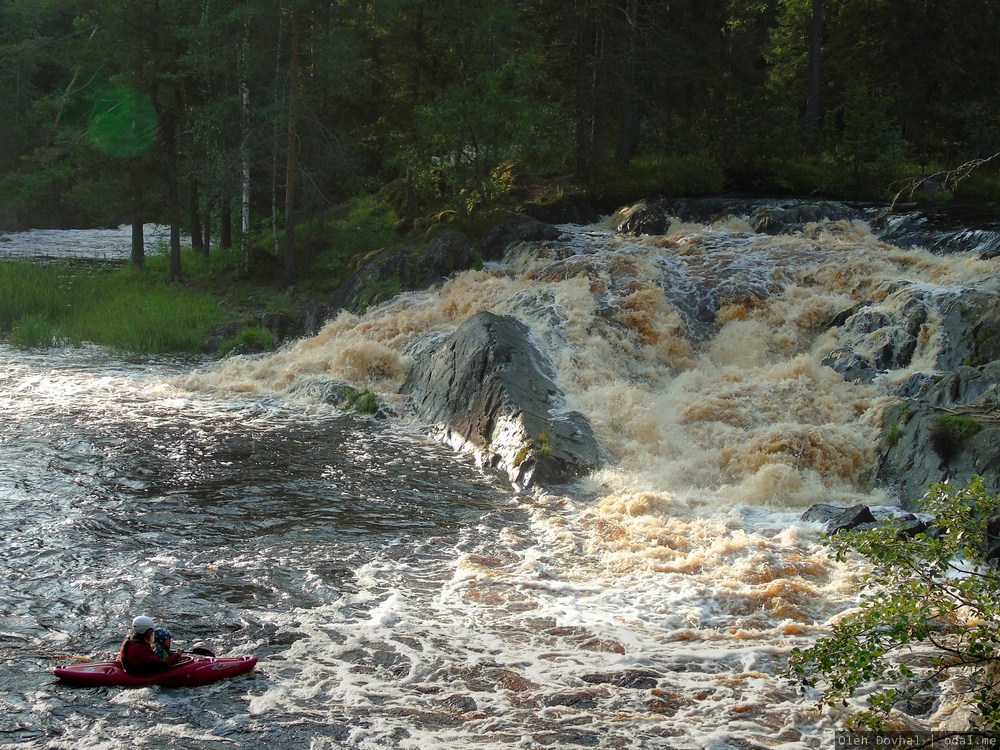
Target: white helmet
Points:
(142, 623)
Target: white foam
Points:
(681, 557)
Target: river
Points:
(400, 596)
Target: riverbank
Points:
(69, 302)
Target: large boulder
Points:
(487, 388)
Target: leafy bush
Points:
(929, 611)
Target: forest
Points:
(267, 122)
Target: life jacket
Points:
(123, 654)
(146, 663)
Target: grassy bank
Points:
(132, 310)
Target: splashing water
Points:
(400, 598)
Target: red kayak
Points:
(189, 671)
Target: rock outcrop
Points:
(512, 231)
(487, 388)
(385, 273)
(945, 424)
(765, 216)
(946, 428)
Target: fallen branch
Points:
(950, 178)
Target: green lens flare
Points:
(123, 122)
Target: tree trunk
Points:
(138, 240)
(207, 224)
(291, 163)
(194, 205)
(244, 260)
(628, 120)
(815, 58)
(173, 196)
(225, 221)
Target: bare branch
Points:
(950, 178)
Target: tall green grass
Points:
(127, 309)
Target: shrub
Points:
(928, 612)
(693, 174)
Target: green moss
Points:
(892, 436)
(522, 454)
(252, 338)
(960, 427)
(543, 444)
(364, 402)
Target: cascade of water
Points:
(400, 599)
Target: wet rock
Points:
(576, 699)
(878, 339)
(334, 392)
(312, 317)
(513, 232)
(279, 325)
(460, 703)
(488, 388)
(792, 216)
(767, 216)
(569, 736)
(836, 518)
(970, 322)
(854, 367)
(642, 218)
(385, 273)
(637, 679)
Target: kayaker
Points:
(137, 654)
(161, 642)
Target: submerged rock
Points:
(488, 388)
(635, 679)
(765, 215)
(836, 518)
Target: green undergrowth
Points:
(123, 308)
